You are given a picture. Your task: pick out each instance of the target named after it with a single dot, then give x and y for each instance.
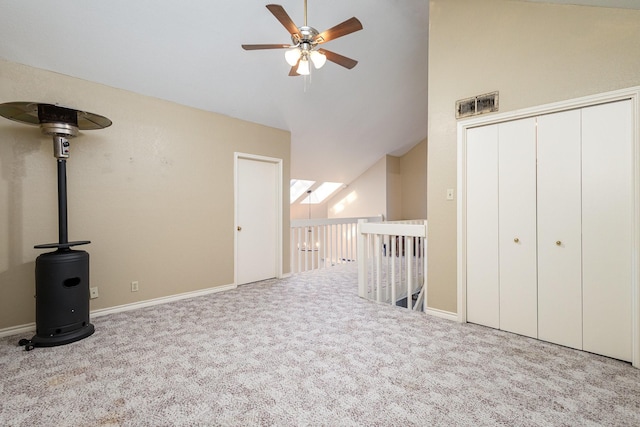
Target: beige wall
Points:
(153, 192)
(301, 211)
(533, 54)
(393, 189)
(413, 166)
(365, 196)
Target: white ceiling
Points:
(341, 121)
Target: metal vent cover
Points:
(486, 103)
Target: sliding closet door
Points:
(607, 206)
(517, 229)
(482, 226)
(559, 229)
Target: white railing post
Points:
(394, 292)
(324, 246)
(293, 253)
(362, 260)
(425, 288)
(378, 265)
(409, 260)
(395, 254)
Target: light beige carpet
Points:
(308, 351)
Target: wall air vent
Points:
(487, 103)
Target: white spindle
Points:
(409, 272)
(300, 248)
(332, 253)
(394, 294)
(362, 263)
(341, 243)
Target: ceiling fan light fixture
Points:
(303, 67)
(292, 56)
(318, 59)
(305, 41)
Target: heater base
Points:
(61, 339)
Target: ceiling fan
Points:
(305, 40)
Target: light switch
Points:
(449, 193)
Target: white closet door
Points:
(559, 229)
(517, 229)
(482, 226)
(607, 206)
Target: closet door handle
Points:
(558, 243)
(516, 240)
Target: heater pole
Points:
(63, 236)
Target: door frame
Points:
(632, 94)
(237, 156)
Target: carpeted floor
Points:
(307, 351)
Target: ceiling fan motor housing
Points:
(308, 35)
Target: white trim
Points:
(413, 230)
(30, 327)
(278, 162)
(633, 94)
(17, 330)
(441, 314)
(162, 300)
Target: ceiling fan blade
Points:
(293, 71)
(349, 26)
(282, 16)
(264, 46)
(339, 59)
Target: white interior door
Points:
(517, 229)
(607, 208)
(257, 219)
(559, 229)
(483, 292)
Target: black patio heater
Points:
(62, 276)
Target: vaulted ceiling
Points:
(341, 121)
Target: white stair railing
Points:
(321, 243)
(392, 263)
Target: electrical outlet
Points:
(93, 292)
(134, 286)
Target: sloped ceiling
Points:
(341, 121)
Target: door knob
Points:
(558, 243)
(516, 240)
(239, 228)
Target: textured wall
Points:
(413, 167)
(533, 53)
(365, 196)
(153, 192)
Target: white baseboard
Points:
(161, 300)
(17, 330)
(441, 313)
(31, 327)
